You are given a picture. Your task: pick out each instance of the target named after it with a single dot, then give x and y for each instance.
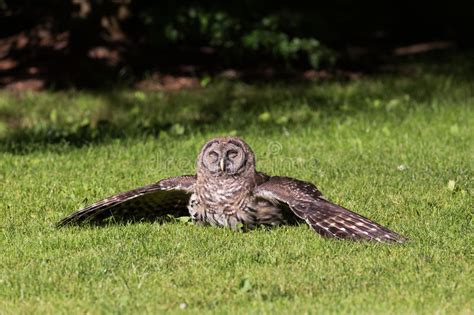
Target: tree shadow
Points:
(229, 106)
(223, 106)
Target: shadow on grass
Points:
(112, 221)
(64, 119)
(75, 119)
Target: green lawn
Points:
(398, 149)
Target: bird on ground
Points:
(228, 191)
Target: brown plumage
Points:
(228, 191)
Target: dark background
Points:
(86, 43)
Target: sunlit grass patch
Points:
(398, 150)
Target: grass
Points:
(398, 149)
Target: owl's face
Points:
(226, 156)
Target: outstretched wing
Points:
(326, 218)
(168, 196)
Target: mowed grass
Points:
(396, 149)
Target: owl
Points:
(228, 191)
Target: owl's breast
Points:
(223, 203)
(232, 205)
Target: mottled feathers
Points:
(326, 218)
(228, 191)
(168, 196)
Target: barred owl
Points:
(228, 191)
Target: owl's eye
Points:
(232, 154)
(213, 155)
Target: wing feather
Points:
(168, 196)
(325, 217)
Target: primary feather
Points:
(325, 217)
(169, 196)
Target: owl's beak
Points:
(222, 164)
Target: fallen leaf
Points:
(451, 184)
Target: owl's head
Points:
(226, 156)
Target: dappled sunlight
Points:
(75, 118)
